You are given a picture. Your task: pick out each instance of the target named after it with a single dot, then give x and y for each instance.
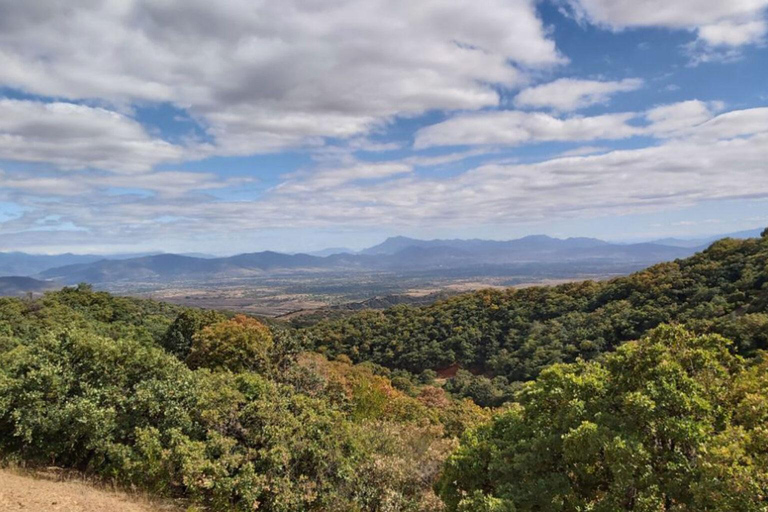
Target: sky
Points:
(295, 125)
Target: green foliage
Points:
(86, 384)
(515, 334)
(233, 414)
(673, 422)
(237, 345)
(482, 390)
(178, 338)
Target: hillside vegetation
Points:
(503, 337)
(222, 411)
(674, 422)
(229, 413)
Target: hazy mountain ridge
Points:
(19, 285)
(409, 254)
(698, 242)
(26, 264)
(396, 253)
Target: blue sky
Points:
(236, 126)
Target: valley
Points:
(399, 270)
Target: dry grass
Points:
(54, 490)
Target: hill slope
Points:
(515, 333)
(18, 285)
(236, 416)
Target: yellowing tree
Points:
(239, 344)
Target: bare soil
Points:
(50, 491)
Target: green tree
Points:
(656, 426)
(238, 344)
(178, 338)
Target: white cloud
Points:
(567, 94)
(717, 22)
(75, 136)
(513, 128)
(710, 163)
(265, 75)
(734, 124)
(672, 118)
(85, 184)
(730, 33)
(725, 157)
(334, 177)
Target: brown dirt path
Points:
(43, 492)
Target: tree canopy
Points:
(673, 422)
(538, 399)
(515, 334)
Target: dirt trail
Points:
(43, 493)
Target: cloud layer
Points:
(717, 22)
(76, 136)
(721, 158)
(265, 75)
(402, 113)
(514, 128)
(567, 94)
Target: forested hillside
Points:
(568, 413)
(223, 412)
(506, 336)
(674, 422)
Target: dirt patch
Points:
(43, 492)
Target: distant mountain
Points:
(395, 254)
(19, 285)
(332, 250)
(700, 242)
(528, 244)
(24, 264)
(173, 267)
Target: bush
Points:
(668, 423)
(135, 414)
(239, 344)
(180, 334)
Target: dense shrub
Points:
(178, 338)
(86, 384)
(229, 440)
(515, 334)
(673, 422)
(238, 344)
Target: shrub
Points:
(658, 425)
(239, 344)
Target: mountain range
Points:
(395, 254)
(399, 254)
(17, 285)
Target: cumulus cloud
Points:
(514, 128)
(730, 33)
(261, 76)
(567, 94)
(76, 136)
(721, 158)
(666, 120)
(719, 24)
